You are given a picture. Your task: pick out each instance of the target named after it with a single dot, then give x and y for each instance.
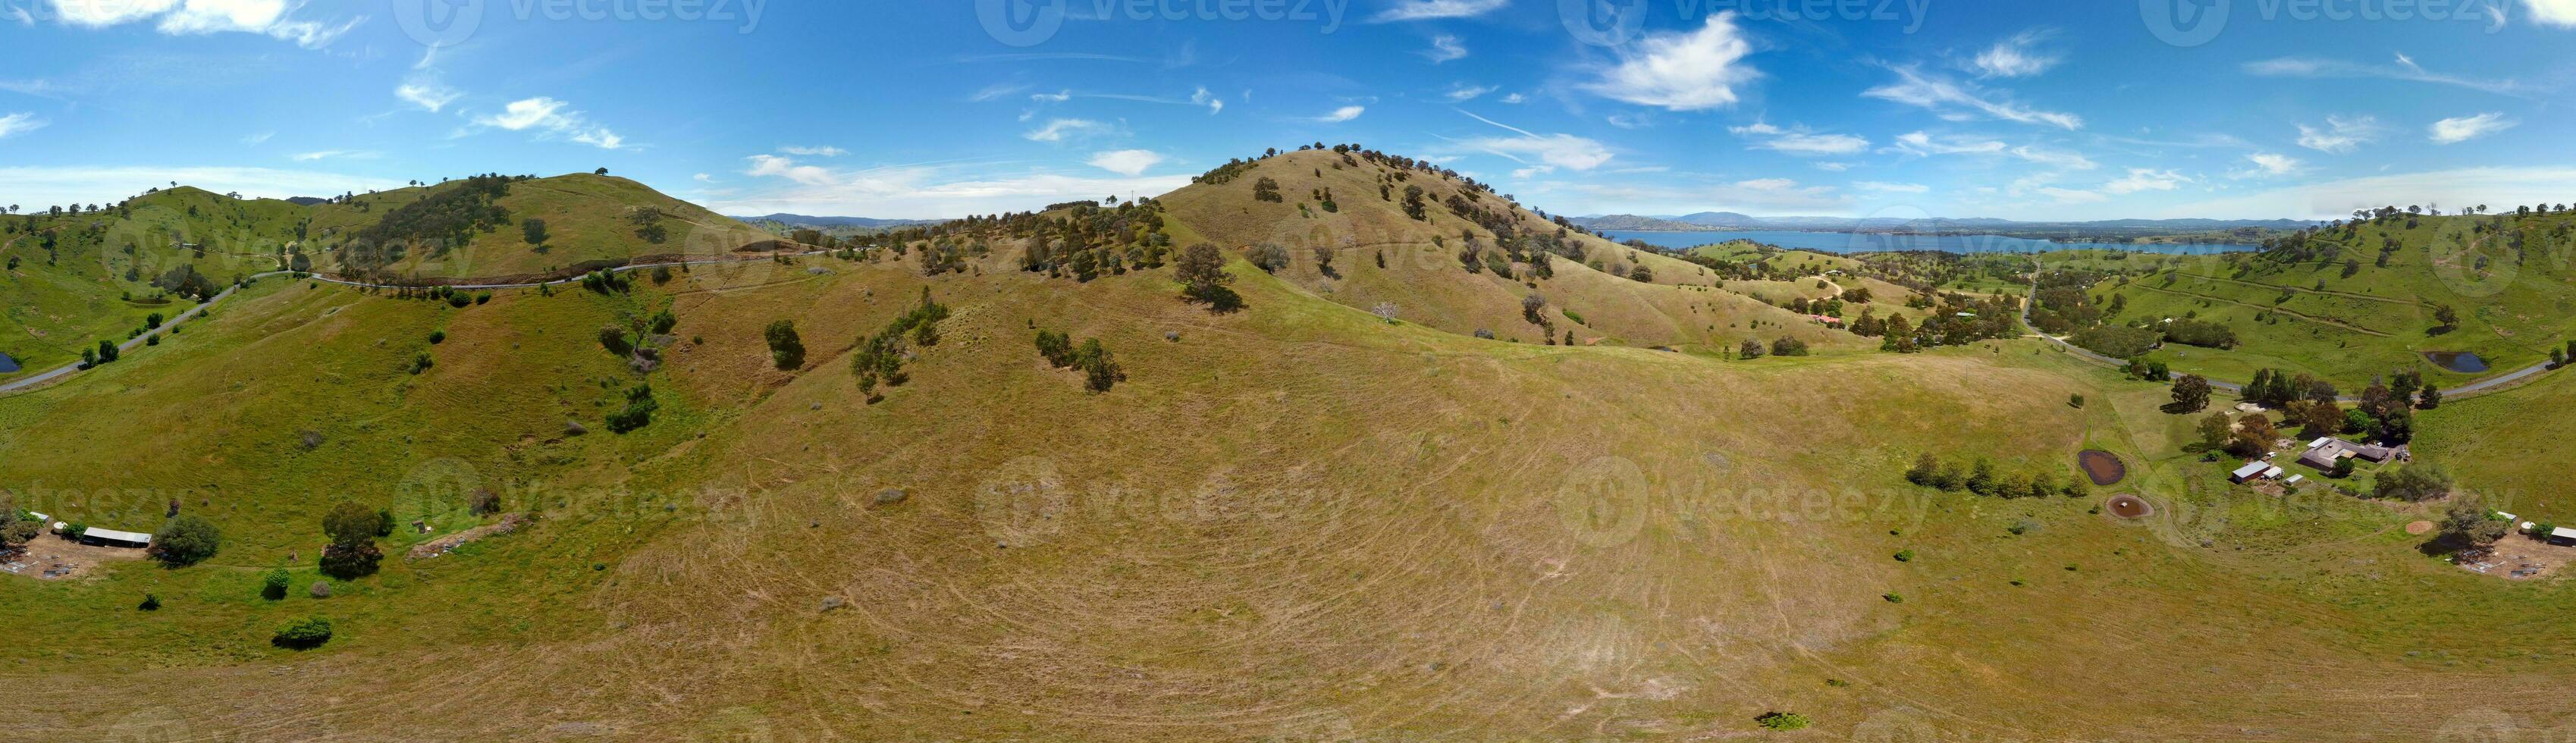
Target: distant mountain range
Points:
(1733, 221)
(801, 220)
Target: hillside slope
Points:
(1381, 255)
(2365, 299)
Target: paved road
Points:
(192, 312)
(2471, 389)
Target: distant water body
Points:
(7, 364)
(1879, 242)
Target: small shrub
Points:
(437, 337)
(1783, 721)
(422, 362)
(1893, 598)
(303, 634)
(1905, 556)
(150, 603)
(273, 587)
(321, 589)
(2075, 401)
(186, 540)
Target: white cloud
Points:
(19, 123)
(200, 17)
(553, 118)
(773, 166)
(2053, 158)
(1516, 99)
(1055, 97)
(2073, 196)
(111, 184)
(1833, 167)
(2465, 128)
(702, 178)
(1690, 71)
(1445, 48)
(1464, 93)
(1953, 99)
(1923, 144)
(1129, 163)
(1339, 115)
(2145, 179)
(1555, 150)
(2271, 164)
(2560, 13)
(1215, 105)
(1915, 188)
(921, 191)
(996, 92)
(1416, 10)
(1059, 129)
(1799, 141)
(255, 140)
(307, 157)
(814, 151)
(427, 93)
(2018, 56)
(2340, 135)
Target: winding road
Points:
(2471, 389)
(131, 343)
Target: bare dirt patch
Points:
(2520, 558)
(449, 543)
(53, 558)
(2103, 467)
(2420, 528)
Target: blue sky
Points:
(2003, 108)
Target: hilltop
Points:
(1280, 517)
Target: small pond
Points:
(7, 364)
(2459, 361)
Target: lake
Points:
(2459, 361)
(1878, 242)
(7, 364)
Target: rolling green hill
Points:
(1293, 520)
(75, 279)
(2364, 299)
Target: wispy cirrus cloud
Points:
(2339, 135)
(1423, 10)
(1551, 151)
(825, 151)
(2019, 56)
(1798, 141)
(1343, 114)
(1445, 48)
(2405, 70)
(1915, 87)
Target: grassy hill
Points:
(87, 276)
(2358, 301)
(1382, 255)
(1294, 521)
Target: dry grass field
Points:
(1296, 521)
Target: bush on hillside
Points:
(786, 349)
(186, 540)
(1269, 257)
(303, 634)
(273, 586)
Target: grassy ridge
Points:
(2507, 277)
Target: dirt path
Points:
(2327, 292)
